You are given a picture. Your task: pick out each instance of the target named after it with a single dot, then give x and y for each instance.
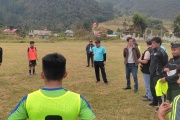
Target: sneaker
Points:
(135, 90)
(87, 66)
(97, 81)
(147, 100)
(106, 83)
(34, 74)
(152, 105)
(144, 96)
(29, 74)
(127, 88)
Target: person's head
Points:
(175, 48)
(130, 41)
(54, 67)
(149, 41)
(97, 43)
(31, 43)
(90, 42)
(156, 42)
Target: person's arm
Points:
(104, 56)
(146, 58)
(138, 53)
(28, 54)
(1, 54)
(86, 48)
(20, 112)
(86, 112)
(36, 54)
(164, 58)
(124, 52)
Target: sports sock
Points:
(33, 71)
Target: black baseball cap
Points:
(149, 41)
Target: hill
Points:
(165, 9)
(118, 23)
(52, 14)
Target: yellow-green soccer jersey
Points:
(48, 104)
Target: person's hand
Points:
(178, 81)
(164, 108)
(166, 69)
(139, 60)
(104, 62)
(163, 79)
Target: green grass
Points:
(109, 102)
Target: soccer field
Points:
(109, 102)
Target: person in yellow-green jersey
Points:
(53, 102)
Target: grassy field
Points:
(109, 102)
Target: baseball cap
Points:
(149, 41)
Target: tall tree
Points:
(140, 22)
(177, 25)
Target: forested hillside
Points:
(165, 9)
(52, 14)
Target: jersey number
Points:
(53, 117)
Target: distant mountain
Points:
(52, 14)
(165, 9)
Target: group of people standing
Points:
(156, 68)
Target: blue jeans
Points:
(147, 86)
(131, 68)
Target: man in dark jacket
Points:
(159, 59)
(172, 75)
(1, 53)
(131, 55)
(89, 54)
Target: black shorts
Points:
(32, 63)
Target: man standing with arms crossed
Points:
(131, 55)
(99, 61)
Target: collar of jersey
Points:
(52, 89)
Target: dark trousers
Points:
(131, 68)
(90, 56)
(100, 65)
(156, 100)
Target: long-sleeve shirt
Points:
(159, 59)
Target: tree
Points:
(110, 31)
(139, 22)
(177, 25)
